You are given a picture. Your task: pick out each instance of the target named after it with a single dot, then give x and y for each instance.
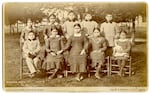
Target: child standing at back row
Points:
(68, 26)
(68, 30)
(88, 25)
(122, 50)
(25, 31)
(52, 22)
(110, 31)
(97, 54)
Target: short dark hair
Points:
(52, 15)
(32, 32)
(88, 14)
(108, 14)
(77, 24)
(71, 12)
(54, 27)
(96, 29)
(123, 29)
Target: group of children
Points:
(75, 43)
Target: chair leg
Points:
(130, 67)
(21, 61)
(108, 66)
(89, 75)
(21, 67)
(66, 73)
(88, 71)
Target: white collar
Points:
(57, 36)
(123, 40)
(55, 23)
(77, 35)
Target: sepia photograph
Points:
(75, 46)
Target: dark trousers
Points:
(109, 51)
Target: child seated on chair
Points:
(31, 50)
(54, 58)
(97, 55)
(122, 50)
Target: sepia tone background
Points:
(15, 16)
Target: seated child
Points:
(122, 50)
(31, 50)
(97, 55)
(54, 58)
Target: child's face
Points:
(44, 21)
(29, 23)
(109, 18)
(71, 16)
(122, 35)
(77, 29)
(52, 19)
(36, 24)
(54, 32)
(88, 17)
(31, 36)
(96, 33)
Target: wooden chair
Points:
(52, 71)
(104, 68)
(67, 69)
(64, 73)
(114, 67)
(23, 66)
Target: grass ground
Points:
(11, 69)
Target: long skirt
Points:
(78, 63)
(97, 58)
(53, 62)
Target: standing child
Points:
(97, 55)
(52, 22)
(54, 58)
(31, 50)
(89, 25)
(25, 31)
(68, 26)
(68, 30)
(78, 45)
(121, 50)
(47, 29)
(110, 31)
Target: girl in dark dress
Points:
(54, 58)
(97, 55)
(78, 45)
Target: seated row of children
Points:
(76, 51)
